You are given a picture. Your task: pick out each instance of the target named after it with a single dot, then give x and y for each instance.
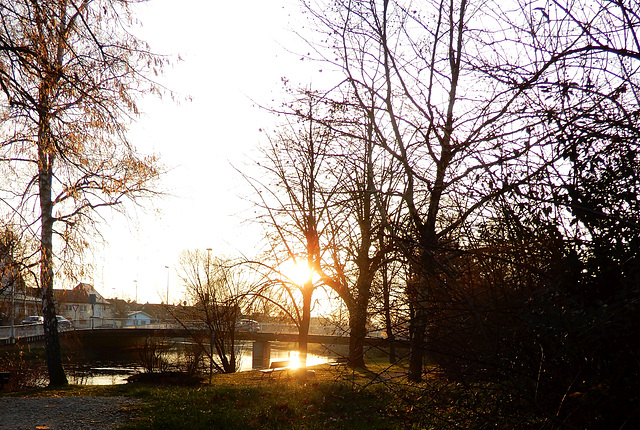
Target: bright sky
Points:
(233, 53)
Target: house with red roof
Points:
(84, 306)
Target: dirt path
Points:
(64, 413)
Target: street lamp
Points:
(208, 263)
(12, 334)
(213, 333)
(135, 281)
(167, 267)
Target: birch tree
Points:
(70, 72)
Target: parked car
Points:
(63, 322)
(248, 325)
(33, 319)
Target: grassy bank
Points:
(248, 401)
(379, 398)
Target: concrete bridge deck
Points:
(34, 334)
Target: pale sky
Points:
(232, 52)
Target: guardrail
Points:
(164, 330)
(21, 330)
(23, 333)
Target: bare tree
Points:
(296, 205)
(420, 137)
(69, 74)
(215, 289)
(349, 169)
(463, 96)
(356, 253)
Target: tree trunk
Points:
(358, 331)
(417, 292)
(303, 332)
(386, 298)
(417, 326)
(57, 375)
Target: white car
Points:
(248, 325)
(33, 319)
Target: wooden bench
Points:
(338, 362)
(4, 378)
(276, 367)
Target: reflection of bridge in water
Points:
(133, 337)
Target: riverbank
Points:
(327, 398)
(317, 398)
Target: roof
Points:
(80, 294)
(130, 314)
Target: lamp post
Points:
(12, 315)
(213, 333)
(135, 281)
(12, 334)
(167, 267)
(208, 263)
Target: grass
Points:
(328, 400)
(250, 401)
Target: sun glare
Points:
(299, 272)
(294, 359)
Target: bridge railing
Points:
(21, 330)
(28, 330)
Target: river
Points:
(115, 369)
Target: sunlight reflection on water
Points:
(117, 374)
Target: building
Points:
(25, 302)
(84, 306)
(138, 318)
(17, 300)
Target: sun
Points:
(297, 271)
(294, 359)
